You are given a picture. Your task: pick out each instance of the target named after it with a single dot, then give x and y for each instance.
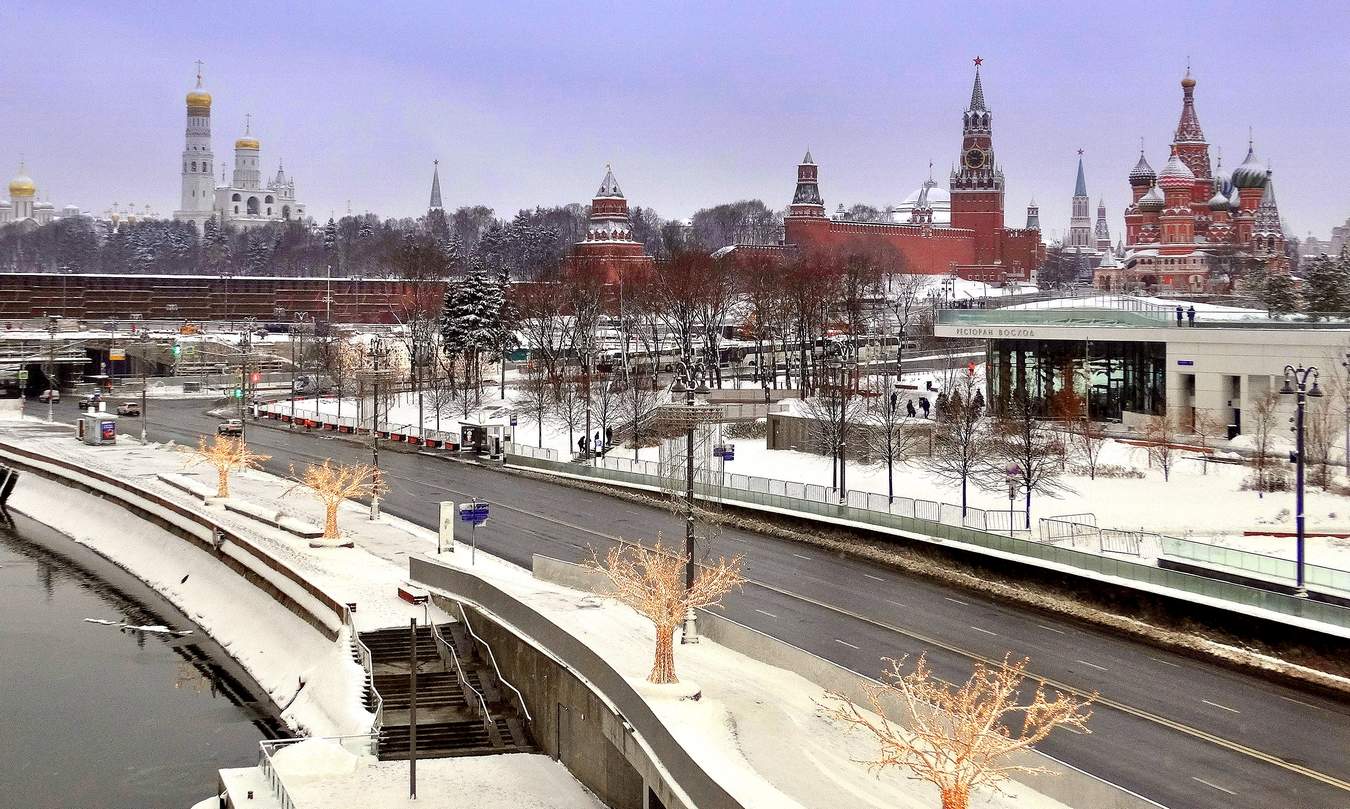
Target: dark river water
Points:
(92, 716)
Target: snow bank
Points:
(315, 759)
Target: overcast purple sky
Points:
(693, 103)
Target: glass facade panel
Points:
(1113, 376)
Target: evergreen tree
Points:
(1327, 286)
(1280, 294)
(472, 319)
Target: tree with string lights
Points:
(958, 738)
(653, 582)
(226, 455)
(333, 483)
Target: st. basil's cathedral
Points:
(1192, 228)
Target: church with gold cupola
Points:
(243, 202)
(23, 204)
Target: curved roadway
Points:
(1179, 731)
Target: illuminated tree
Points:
(227, 455)
(651, 581)
(959, 738)
(332, 483)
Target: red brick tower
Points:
(977, 186)
(609, 247)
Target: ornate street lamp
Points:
(691, 383)
(1296, 384)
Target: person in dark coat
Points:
(909, 408)
(581, 445)
(1179, 315)
(1190, 315)
(924, 405)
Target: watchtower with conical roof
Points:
(977, 184)
(198, 186)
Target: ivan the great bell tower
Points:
(977, 185)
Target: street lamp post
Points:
(1296, 384)
(691, 384)
(145, 360)
(1014, 473)
(52, 322)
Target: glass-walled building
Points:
(1112, 376)
(1130, 359)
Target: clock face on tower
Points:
(974, 158)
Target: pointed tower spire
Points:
(1080, 187)
(977, 92)
(609, 187)
(1188, 128)
(436, 186)
(806, 200)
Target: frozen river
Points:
(94, 715)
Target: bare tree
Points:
(1207, 426)
(636, 406)
(569, 407)
(1085, 439)
(904, 298)
(543, 324)
(341, 359)
(959, 738)
(536, 394)
(959, 438)
(1264, 421)
(1319, 433)
(1160, 433)
(832, 415)
(1024, 448)
(892, 436)
(652, 582)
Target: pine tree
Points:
(1280, 294)
(472, 319)
(1327, 286)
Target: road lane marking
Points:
(896, 603)
(985, 631)
(1097, 697)
(1300, 702)
(1213, 786)
(846, 643)
(874, 578)
(1164, 662)
(799, 556)
(1217, 705)
(956, 601)
(762, 612)
(1094, 665)
(1052, 629)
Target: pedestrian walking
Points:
(909, 408)
(609, 436)
(1190, 315)
(924, 405)
(1179, 315)
(581, 445)
(895, 398)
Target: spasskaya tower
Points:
(977, 184)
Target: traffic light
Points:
(238, 393)
(176, 350)
(255, 377)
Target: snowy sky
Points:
(693, 103)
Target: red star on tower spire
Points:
(978, 60)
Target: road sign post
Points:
(473, 514)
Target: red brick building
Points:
(973, 242)
(1192, 228)
(609, 248)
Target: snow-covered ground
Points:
(737, 730)
(760, 731)
(319, 773)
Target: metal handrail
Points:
(368, 664)
(459, 669)
(519, 696)
(268, 746)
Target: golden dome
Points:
(199, 98)
(247, 143)
(22, 186)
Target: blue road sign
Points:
(475, 512)
(513, 419)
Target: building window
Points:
(236, 209)
(235, 198)
(253, 206)
(268, 199)
(269, 210)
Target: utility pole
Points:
(246, 346)
(412, 713)
(145, 361)
(51, 362)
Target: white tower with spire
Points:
(1080, 224)
(198, 187)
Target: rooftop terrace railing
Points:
(1100, 311)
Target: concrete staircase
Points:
(450, 720)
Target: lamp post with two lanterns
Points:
(1296, 384)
